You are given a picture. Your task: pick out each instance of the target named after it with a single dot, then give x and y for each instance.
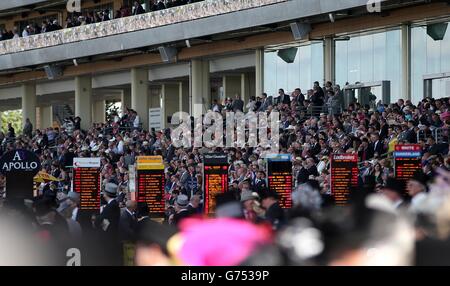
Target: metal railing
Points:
(315, 111)
(179, 14)
(440, 135)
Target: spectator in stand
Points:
(28, 128)
(137, 8)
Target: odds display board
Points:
(215, 173)
(150, 183)
(407, 160)
(87, 182)
(344, 176)
(279, 172)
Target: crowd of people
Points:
(76, 19)
(386, 221)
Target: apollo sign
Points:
(21, 162)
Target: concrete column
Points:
(184, 96)
(232, 86)
(45, 117)
(28, 94)
(171, 101)
(139, 94)
(245, 88)
(154, 97)
(200, 92)
(329, 57)
(126, 98)
(259, 72)
(98, 111)
(406, 61)
(83, 100)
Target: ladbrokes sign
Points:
(20, 162)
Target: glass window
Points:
(307, 68)
(429, 57)
(370, 58)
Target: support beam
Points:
(184, 96)
(259, 72)
(406, 61)
(45, 117)
(245, 88)
(126, 99)
(232, 86)
(28, 94)
(329, 57)
(83, 100)
(171, 102)
(139, 94)
(98, 111)
(200, 93)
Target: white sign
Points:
(155, 118)
(86, 163)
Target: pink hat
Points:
(220, 242)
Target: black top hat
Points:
(395, 185)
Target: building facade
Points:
(185, 57)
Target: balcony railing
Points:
(145, 21)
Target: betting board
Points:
(150, 181)
(87, 182)
(407, 160)
(215, 171)
(279, 172)
(344, 176)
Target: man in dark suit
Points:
(238, 104)
(274, 213)
(260, 181)
(376, 148)
(107, 225)
(284, 98)
(138, 9)
(411, 135)
(265, 102)
(128, 222)
(108, 220)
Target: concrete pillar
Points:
(83, 100)
(28, 94)
(259, 72)
(406, 61)
(184, 96)
(139, 94)
(200, 93)
(245, 88)
(329, 58)
(171, 102)
(232, 86)
(126, 98)
(154, 97)
(98, 111)
(45, 117)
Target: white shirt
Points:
(136, 122)
(120, 147)
(25, 33)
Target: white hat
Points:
(290, 127)
(112, 140)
